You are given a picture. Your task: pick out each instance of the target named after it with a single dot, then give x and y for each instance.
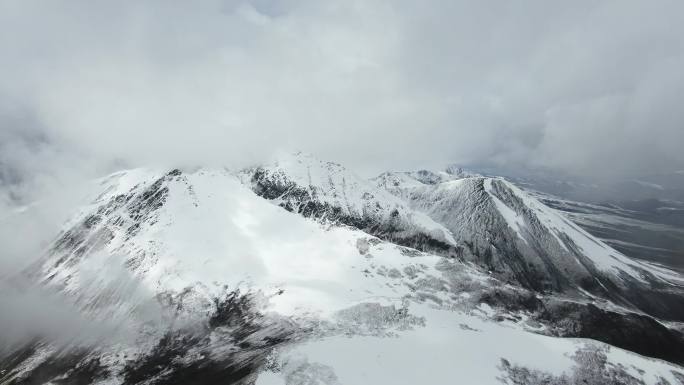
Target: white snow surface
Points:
(407, 185)
(214, 231)
(337, 186)
(452, 347)
(602, 255)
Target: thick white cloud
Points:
(584, 86)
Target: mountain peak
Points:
(221, 274)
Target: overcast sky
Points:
(579, 86)
(90, 86)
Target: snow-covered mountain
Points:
(301, 272)
(327, 191)
(640, 215)
(507, 231)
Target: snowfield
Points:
(452, 346)
(303, 273)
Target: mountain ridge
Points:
(232, 275)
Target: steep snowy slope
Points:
(638, 229)
(641, 216)
(521, 240)
(327, 191)
(207, 282)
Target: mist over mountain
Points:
(584, 88)
(312, 192)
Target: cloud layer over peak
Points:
(582, 87)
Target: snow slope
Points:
(457, 347)
(510, 233)
(212, 283)
(329, 192)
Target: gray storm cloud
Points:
(581, 87)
